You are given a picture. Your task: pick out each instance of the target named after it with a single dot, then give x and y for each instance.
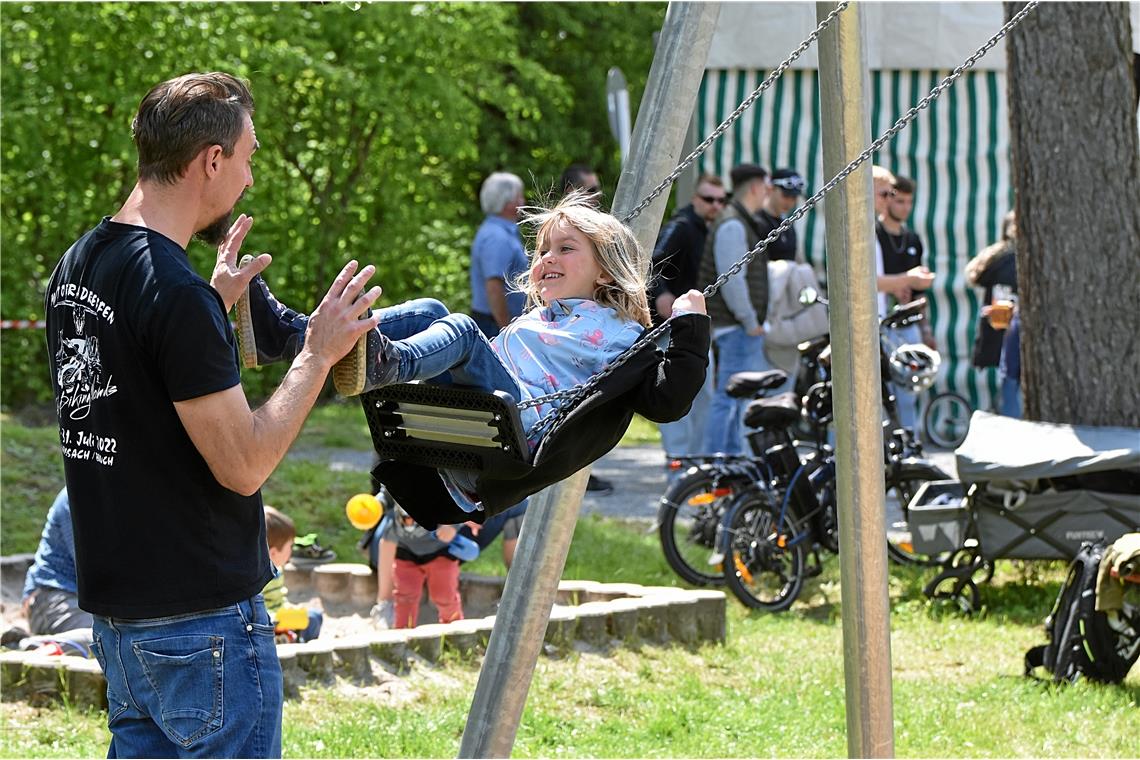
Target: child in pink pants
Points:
(426, 556)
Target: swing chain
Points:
(574, 394)
(732, 117)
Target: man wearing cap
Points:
(739, 307)
(787, 187)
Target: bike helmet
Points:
(914, 366)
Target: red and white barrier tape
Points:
(22, 324)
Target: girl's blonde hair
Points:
(618, 253)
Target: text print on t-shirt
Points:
(80, 372)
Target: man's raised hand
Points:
(227, 278)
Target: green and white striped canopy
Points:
(956, 151)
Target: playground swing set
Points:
(449, 427)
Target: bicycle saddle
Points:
(773, 413)
(746, 384)
(814, 345)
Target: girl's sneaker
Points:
(268, 331)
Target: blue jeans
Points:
(905, 400)
(1010, 397)
(434, 344)
(203, 684)
(737, 351)
(686, 436)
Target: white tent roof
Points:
(902, 35)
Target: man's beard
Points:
(215, 232)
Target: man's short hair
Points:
(574, 178)
(279, 529)
(498, 190)
(742, 174)
(709, 179)
(181, 116)
(904, 185)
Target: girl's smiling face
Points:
(567, 264)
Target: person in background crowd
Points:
(497, 255)
(581, 177)
(50, 598)
(739, 308)
(901, 250)
(787, 187)
(676, 264)
(994, 265)
(995, 269)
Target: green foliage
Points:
(377, 122)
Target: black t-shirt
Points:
(131, 328)
(901, 252)
(677, 256)
(783, 247)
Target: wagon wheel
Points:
(962, 591)
(983, 569)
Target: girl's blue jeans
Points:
(203, 684)
(433, 344)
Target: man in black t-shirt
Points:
(162, 456)
(901, 251)
(787, 187)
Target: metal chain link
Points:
(732, 117)
(573, 394)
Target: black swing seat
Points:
(447, 427)
(748, 384)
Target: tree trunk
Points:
(1076, 172)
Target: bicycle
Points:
(771, 528)
(946, 419)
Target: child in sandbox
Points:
(279, 533)
(420, 556)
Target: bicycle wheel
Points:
(688, 521)
(900, 546)
(765, 565)
(946, 420)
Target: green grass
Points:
(31, 474)
(776, 688)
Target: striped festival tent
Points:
(956, 150)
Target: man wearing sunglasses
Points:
(676, 261)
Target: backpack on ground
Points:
(1083, 642)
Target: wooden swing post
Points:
(843, 95)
